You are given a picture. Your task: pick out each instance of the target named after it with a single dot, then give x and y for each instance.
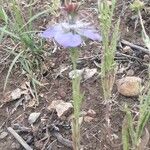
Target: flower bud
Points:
(71, 8)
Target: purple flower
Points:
(71, 35)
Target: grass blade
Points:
(3, 15)
(10, 68)
(2, 33)
(34, 17)
(9, 33)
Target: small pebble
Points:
(130, 72)
(88, 119)
(91, 113)
(61, 92)
(115, 136)
(16, 94)
(33, 117)
(127, 50)
(3, 135)
(146, 58)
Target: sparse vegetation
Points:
(50, 52)
(133, 129)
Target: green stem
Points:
(76, 101)
(74, 57)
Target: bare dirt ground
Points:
(58, 87)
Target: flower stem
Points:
(77, 98)
(141, 21)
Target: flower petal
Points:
(51, 31)
(68, 39)
(91, 34)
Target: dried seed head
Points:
(137, 5)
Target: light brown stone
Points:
(129, 86)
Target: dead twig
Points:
(19, 128)
(19, 138)
(50, 147)
(135, 46)
(44, 146)
(32, 4)
(62, 140)
(12, 112)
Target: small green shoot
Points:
(129, 127)
(131, 131)
(109, 43)
(137, 6)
